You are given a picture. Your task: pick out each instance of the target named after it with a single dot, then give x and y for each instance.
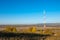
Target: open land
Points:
(54, 27)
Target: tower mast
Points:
(44, 15)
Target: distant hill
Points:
(38, 25)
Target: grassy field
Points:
(53, 28)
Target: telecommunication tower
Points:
(44, 15)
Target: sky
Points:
(29, 11)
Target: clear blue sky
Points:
(29, 11)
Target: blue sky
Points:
(29, 11)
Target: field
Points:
(55, 28)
